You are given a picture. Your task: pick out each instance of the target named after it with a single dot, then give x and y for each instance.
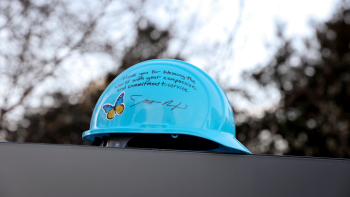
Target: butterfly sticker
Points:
(117, 108)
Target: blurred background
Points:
(285, 65)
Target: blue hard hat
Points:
(166, 97)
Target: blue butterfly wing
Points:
(107, 108)
(120, 99)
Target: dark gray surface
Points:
(53, 170)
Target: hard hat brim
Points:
(230, 143)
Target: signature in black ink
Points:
(175, 106)
(147, 102)
(150, 102)
(133, 96)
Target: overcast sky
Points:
(216, 20)
(257, 27)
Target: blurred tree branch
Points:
(312, 117)
(65, 123)
(37, 38)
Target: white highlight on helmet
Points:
(174, 135)
(117, 144)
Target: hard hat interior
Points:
(158, 141)
(167, 141)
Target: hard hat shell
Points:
(166, 96)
